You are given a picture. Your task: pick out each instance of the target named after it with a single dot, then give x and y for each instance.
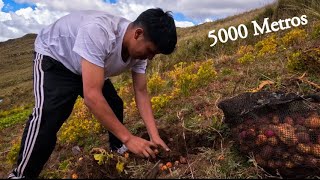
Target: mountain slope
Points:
(185, 88)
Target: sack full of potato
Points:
(280, 130)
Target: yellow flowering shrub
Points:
(126, 93)
(267, 46)
(183, 78)
(293, 37)
(80, 124)
(13, 153)
(131, 108)
(155, 83)
(246, 58)
(294, 63)
(305, 61)
(205, 73)
(186, 82)
(160, 101)
(177, 71)
(175, 92)
(245, 50)
(188, 77)
(246, 54)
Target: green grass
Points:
(10, 118)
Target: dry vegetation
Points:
(185, 88)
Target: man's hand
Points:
(141, 147)
(159, 142)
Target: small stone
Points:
(76, 150)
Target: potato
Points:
(297, 159)
(160, 165)
(273, 141)
(289, 164)
(269, 133)
(300, 128)
(169, 164)
(286, 134)
(164, 168)
(289, 120)
(74, 176)
(315, 150)
(261, 139)
(304, 148)
(286, 155)
(313, 121)
(251, 133)
(242, 135)
(303, 137)
(300, 120)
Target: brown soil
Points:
(183, 144)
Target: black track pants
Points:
(55, 90)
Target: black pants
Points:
(55, 89)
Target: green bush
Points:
(308, 60)
(316, 31)
(13, 117)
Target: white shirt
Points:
(94, 35)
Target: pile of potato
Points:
(290, 141)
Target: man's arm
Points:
(93, 81)
(144, 106)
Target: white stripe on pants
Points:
(37, 114)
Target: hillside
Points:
(186, 88)
(16, 72)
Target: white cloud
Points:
(42, 16)
(28, 20)
(184, 23)
(200, 10)
(4, 16)
(71, 5)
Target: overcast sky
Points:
(19, 17)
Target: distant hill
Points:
(16, 57)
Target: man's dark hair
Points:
(160, 29)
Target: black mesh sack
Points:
(281, 130)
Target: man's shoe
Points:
(122, 149)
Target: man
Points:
(75, 56)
